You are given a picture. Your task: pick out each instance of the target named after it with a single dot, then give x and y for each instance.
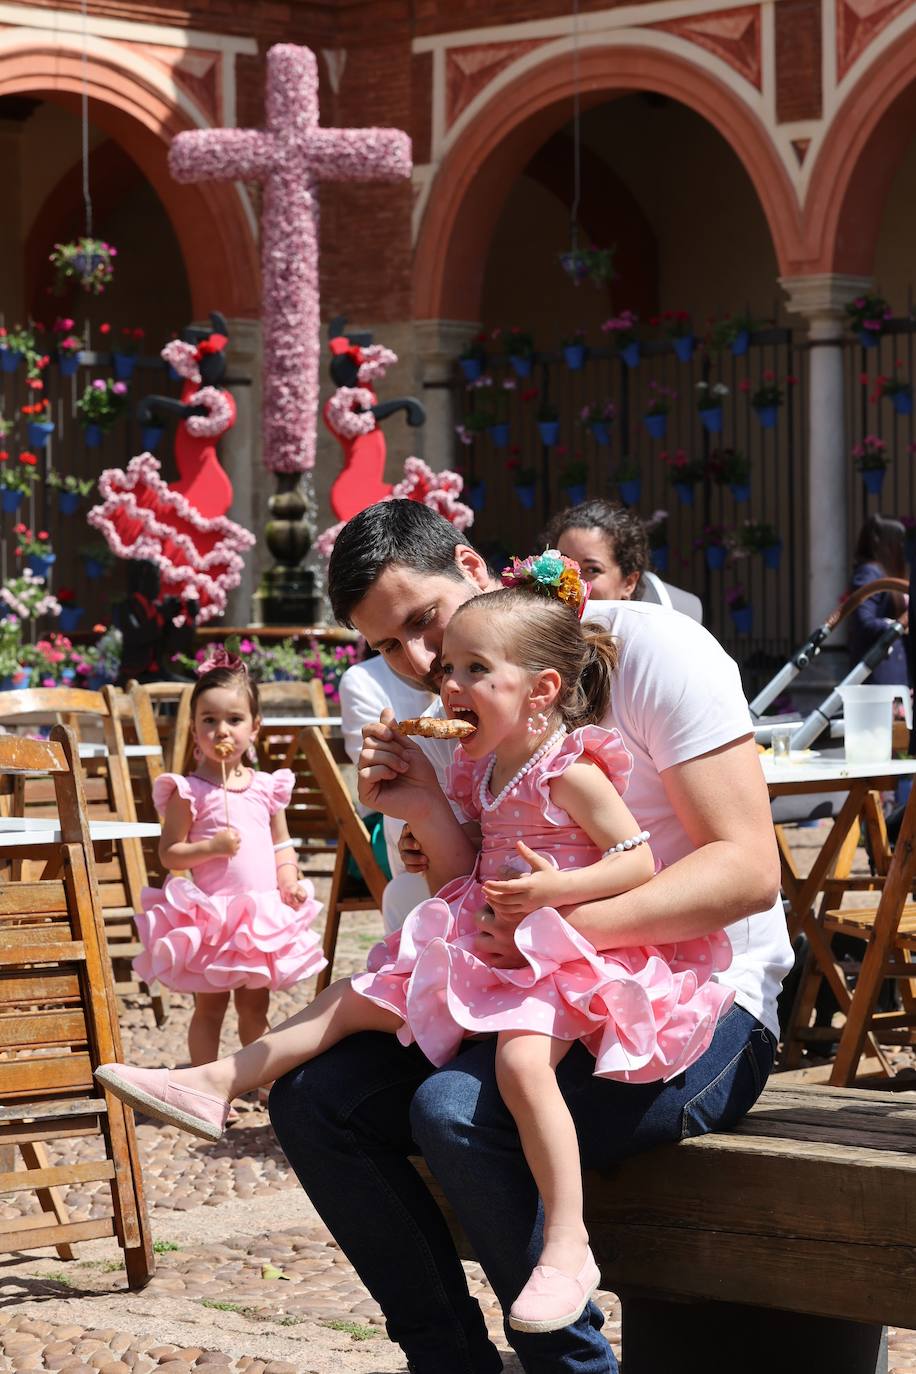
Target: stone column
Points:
(240, 455)
(821, 299)
(438, 343)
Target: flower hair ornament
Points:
(550, 574)
(221, 657)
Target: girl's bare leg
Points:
(335, 1013)
(526, 1073)
(251, 1007)
(205, 1026)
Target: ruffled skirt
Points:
(646, 1012)
(197, 942)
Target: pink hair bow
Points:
(220, 658)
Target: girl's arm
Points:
(591, 800)
(291, 888)
(176, 851)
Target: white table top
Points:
(131, 751)
(300, 721)
(815, 770)
(30, 830)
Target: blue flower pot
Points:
(9, 359)
(772, 555)
(630, 354)
(521, 364)
(684, 347)
(10, 501)
(874, 480)
(68, 502)
(657, 425)
(499, 434)
(40, 564)
(868, 338)
(150, 436)
(476, 495)
(660, 558)
(93, 435)
(741, 491)
(600, 431)
(69, 619)
(684, 493)
(68, 363)
(96, 681)
(574, 356)
(630, 489)
(741, 343)
(902, 402)
(39, 432)
(124, 364)
(575, 495)
(471, 367)
(743, 619)
(767, 415)
(526, 496)
(94, 569)
(711, 419)
(716, 554)
(16, 681)
(549, 431)
(66, 676)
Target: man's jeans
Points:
(349, 1119)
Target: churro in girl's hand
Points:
(435, 727)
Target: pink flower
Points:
(119, 388)
(99, 385)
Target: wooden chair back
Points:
(292, 698)
(58, 1022)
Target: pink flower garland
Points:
(438, 490)
(376, 361)
(291, 157)
(220, 418)
(182, 357)
(342, 416)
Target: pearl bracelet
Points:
(641, 838)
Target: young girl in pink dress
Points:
(240, 924)
(544, 781)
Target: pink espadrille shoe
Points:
(149, 1091)
(551, 1299)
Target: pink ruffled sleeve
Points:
(462, 783)
(279, 789)
(167, 784)
(604, 747)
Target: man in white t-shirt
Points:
(350, 1119)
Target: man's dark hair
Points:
(390, 532)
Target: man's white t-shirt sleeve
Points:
(362, 701)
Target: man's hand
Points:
(412, 856)
(514, 898)
(395, 776)
(495, 941)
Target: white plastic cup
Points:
(868, 716)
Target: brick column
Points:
(820, 299)
(438, 343)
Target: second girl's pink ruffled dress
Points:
(226, 926)
(645, 1012)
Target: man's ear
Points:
(473, 566)
(545, 689)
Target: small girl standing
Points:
(545, 782)
(241, 923)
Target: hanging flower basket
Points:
(711, 419)
(499, 435)
(656, 425)
(630, 489)
(39, 432)
(772, 555)
(476, 495)
(549, 431)
(767, 415)
(526, 493)
(150, 436)
(741, 491)
(521, 364)
(10, 500)
(576, 494)
(68, 502)
(89, 262)
(743, 619)
(574, 356)
(684, 347)
(684, 492)
(588, 264)
(10, 359)
(600, 432)
(873, 478)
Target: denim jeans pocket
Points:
(734, 1090)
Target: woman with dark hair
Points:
(879, 552)
(608, 542)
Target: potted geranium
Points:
(766, 399)
(87, 261)
(13, 673)
(473, 358)
(739, 610)
(70, 613)
(69, 490)
(658, 404)
(683, 473)
(518, 345)
(27, 596)
(100, 662)
(599, 416)
(733, 332)
(677, 326)
(588, 264)
(35, 549)
(17, 344)
(714, 540)
(574, 350)
(657, 532)
(574, 481)
(39, 425)
(871, 460)
(759, 536)
(124, 357)
(97, 559)
(16, 480)
(897, 389)
(524, 480)
(710, 399)
(622, 329)
(730, 468)
(548, 422)
(101, 404)
(629, 481)
(868, 316)
(68, 347)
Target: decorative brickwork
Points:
(197, 73)
(858, 22)
(733, 35)
(470, 69)
(798, 60)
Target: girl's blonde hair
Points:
(543, 633)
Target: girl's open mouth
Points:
(464, 713)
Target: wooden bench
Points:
(784, 1247)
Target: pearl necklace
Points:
(516, 778)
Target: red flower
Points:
(65, 595)
(139, 333)
(4, 454)
(28, 458)
(104, 328)
(863, 378)
(791, 380)
(20, 529)
(43, 534)
(744, 386)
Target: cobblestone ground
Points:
(248, 1280)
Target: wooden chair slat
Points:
(47, 1027)
(60, 1175)
(49, 985)
(44, 1073)
(70, 1109)
(61, 1233)
(28, 897)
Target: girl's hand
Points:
(225, 841)
(514, 898)
(293, 893)
(395, 776)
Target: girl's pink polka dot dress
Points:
(645, 1012)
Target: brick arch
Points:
(857, 163)
(215, 238)
(471, 184)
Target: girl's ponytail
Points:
(590, 697)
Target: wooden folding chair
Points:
(171, 707)
(58, 1022)
(290, 698)
(107, 787)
